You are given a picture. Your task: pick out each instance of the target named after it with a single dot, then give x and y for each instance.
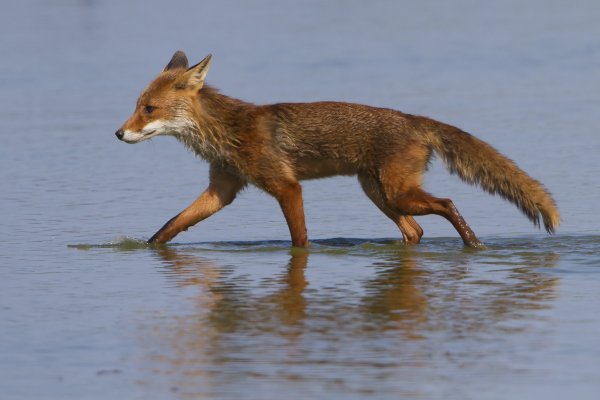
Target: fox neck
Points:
(211, 132)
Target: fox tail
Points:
(478, 163)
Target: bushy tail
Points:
(478, 163)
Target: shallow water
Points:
(229, 310)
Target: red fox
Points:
(275, 146)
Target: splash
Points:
(121, 242)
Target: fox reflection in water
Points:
(403, 289)
(412, 314)
(394, 294)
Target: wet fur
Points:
(275, 146)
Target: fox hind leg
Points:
(418, 202)
(406, 197)
(400, 180)
(414, 231)
(411, 231)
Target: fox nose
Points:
(120, 134)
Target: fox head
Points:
(167, 104)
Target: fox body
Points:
(275, 146)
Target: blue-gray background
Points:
(98, 322)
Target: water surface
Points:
(229, 310)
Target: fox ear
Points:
(194, 77)
(179, 60)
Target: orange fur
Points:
(275, 146)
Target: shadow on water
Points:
(394, 307)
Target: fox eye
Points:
(149, 109)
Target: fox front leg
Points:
(290, 200)
(221, 191)
(289, 196)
